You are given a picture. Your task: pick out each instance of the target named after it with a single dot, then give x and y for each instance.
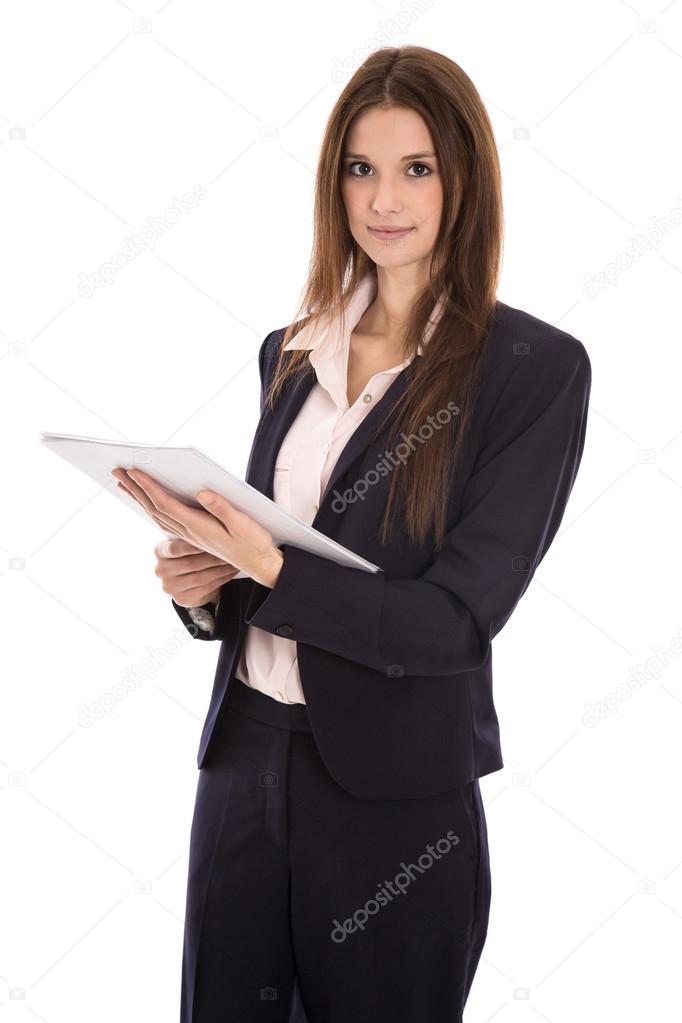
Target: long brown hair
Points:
(463, 271)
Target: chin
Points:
(391, 259)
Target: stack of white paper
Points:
(183, 472)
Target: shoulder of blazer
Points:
(269, 346)
(516, 334)
(267, 354)
(516, 326)
(526, 364)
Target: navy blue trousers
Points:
(308, 905)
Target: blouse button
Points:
(278, 695)
(367, 397)
(325, 447)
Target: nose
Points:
(386, 198)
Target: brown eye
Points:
(427, 169)
(356, 164)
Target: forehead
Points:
(395, 132)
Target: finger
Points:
(165, 521)
(207, 580)
(210, 577)
(128, 492)
(127, 483)
(197, 558)
(237, 523)
(143, 505)
(194, 570)
(194, 525)
(221, 508)
(177, 549)
(195, 595)
(140, 495)
(165, 504)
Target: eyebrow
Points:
(412, 156)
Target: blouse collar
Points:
(328, 341)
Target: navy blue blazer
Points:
(396, 666)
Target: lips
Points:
(387, 234)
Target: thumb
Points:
(237, 523)
(216, 504)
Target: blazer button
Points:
(395, 670)
(284, 630)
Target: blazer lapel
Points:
(361, 437)
(273, 427)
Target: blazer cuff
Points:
(317, 601)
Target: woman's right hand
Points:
(191, 576)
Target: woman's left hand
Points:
(221, 530)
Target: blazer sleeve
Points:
(228, 600)
(444, 621)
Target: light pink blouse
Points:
(305, 461)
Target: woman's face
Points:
(390, 177)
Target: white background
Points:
(105, 120)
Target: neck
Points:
(397, 291)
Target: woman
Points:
(339, 868)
